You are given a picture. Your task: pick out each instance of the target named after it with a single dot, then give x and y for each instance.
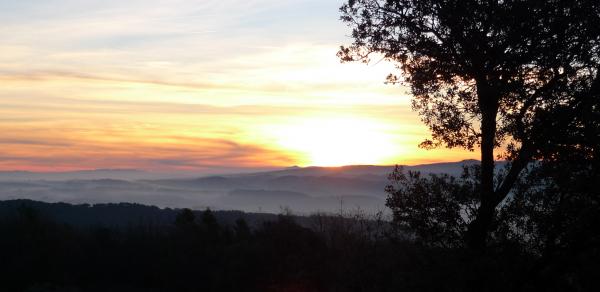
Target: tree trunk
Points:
(479, 227)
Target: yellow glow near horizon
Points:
(337, 141)
(199, 86)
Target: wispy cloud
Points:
(182, 84)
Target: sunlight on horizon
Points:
(212, 85)
(337, 141)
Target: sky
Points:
(204, 86)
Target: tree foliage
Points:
(484, 74)
(436, 208)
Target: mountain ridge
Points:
(109, 173)
(303, 190)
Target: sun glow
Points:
(337, 141)
(185, 96)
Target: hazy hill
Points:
(304, 190)
(453, 168)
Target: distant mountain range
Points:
(304, 190)
(135, 174)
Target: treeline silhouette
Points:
(130, 247)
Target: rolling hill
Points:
(303, 190)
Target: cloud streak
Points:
(183, 85)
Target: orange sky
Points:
(194, 85)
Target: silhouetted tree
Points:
(436, 208)
(488, 73)
(185, 218)
(554, 210)
(241, 229)
(209, 219)
(211, 226)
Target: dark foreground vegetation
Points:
(127, 247)
(519, 79)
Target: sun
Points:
(337, 141)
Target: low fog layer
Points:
(303, 190)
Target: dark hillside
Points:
(130, 247)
